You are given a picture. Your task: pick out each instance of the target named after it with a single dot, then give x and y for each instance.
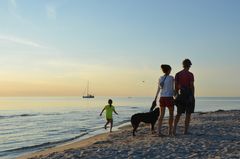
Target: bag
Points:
(178, 100)
(185, 97)
(162, 83)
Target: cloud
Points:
(20, 41)
(51, 12)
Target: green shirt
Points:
(109, 109)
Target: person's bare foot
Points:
(153, 132)
(161, 135)
(170, 132)
(174, 131)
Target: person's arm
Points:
(158, 90)
(192, 88)
(154, 103)
(102, 111)
(177, 87)
(174, 89)
(115, 111)
(192, 85)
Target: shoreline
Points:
(80, 142)
(213, 135)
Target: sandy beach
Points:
(212, 135)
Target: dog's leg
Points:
(152, 128)
(135, 129)
(133, 132)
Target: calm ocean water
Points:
(30, 124)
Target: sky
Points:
(54, 47)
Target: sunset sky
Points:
(53, 47)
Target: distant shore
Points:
(212, 135)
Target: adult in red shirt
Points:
(184, 86)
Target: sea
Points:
(29, 124)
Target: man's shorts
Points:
(185, 103)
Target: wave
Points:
(53, 114)
(28, 115)
(134, 107)
(75, 112)
(122, 122)
(18, 115)
(116, 124)
(40, 146)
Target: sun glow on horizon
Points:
(64, 44)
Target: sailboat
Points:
(88, 95)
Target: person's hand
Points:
(175, 93)
(100, 114)
(154, 102)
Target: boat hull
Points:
(89, 96)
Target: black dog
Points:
(150, 117)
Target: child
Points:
(166, 84)
(109, 109)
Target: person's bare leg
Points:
(187, 121)
(111, 125)
(105, 126)
(160, 119)
(170, 122)
(177, 118)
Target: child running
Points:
(166, 85)
(109, 109)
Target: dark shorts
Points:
(109, 119)
(166, 102)
(185, 102)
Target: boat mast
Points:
(87, 87)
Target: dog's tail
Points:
(154, 104)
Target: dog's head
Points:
(154, 104)
(156, 111)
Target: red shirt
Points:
(183, 79)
